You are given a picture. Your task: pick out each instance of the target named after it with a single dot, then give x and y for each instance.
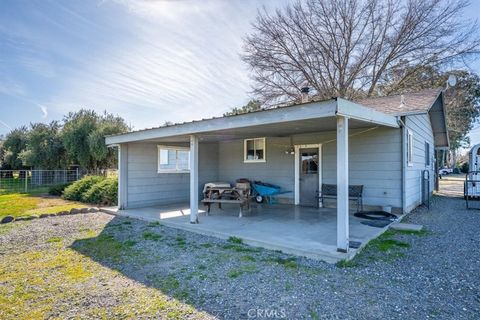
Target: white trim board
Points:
(297, 168)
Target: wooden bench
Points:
(241, 202)
(355, 192)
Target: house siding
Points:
(374, 161)
(420, 127)
(148, 187)
(277, 169)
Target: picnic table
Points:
(224, 194)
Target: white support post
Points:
(193, 179)
(122, 176)
(342, 184)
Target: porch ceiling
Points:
(283, 129)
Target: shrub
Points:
(76, 190)
(57, 190)
(103, 192)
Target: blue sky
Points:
(148, 61)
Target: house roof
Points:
(300, 118)
(403, 104)
(374, 111)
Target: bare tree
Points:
(348, 47)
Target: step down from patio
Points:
(406, 226)
(354, 244)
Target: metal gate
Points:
(471, 188)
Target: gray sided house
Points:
(385, 144)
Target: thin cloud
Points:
(11, 87)
(180, 69)
(5, 125)
(44, 111)
(40, 66)
(148, 61)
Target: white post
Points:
(122, 176)
(342, 184)
(297, 175)
(193, 179)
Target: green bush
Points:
(57, 190)
(76, 190)
(102, 193)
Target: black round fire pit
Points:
(376, 215)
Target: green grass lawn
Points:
(22, 204)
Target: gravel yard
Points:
(100, 266)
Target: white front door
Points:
(308, 174)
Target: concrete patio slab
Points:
(302, 231)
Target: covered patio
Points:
(303, 231)
(320, 233)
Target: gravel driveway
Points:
(132, 269)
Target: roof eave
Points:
(445, 117)
(313, 110)
(360, 112)
(278, 115)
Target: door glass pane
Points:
(309, 162)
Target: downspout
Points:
(401, 122)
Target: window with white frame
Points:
(173, 159)
(409, 148)
(427, 154)
(254, 150)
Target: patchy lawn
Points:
(57, 271)
(22, 204)
(387, 247)
(100, 266)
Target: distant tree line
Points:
(79, 139)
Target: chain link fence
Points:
(14, 181)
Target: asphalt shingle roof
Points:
(413, 102)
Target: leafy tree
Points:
(252, 105)
(83, 137)
(108, 124)
(77, 126)
(2, 154)
(462, 101)
(346, 48)
(44, 148)
(15, 142)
